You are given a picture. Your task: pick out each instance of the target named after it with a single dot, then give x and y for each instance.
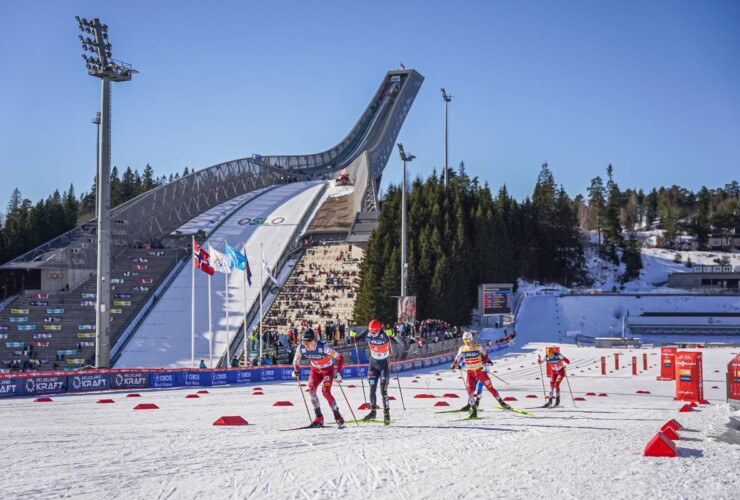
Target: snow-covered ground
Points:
(73, 447)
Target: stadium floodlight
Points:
(447, 98)
(404, 266)
(99, 61)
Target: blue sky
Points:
(651, 87)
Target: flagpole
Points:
(210, 322)
(192, 307)
(244, 290)
(228, 330)
(262, 286)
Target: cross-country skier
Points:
(555, 361)
(475, 357)
(379, 373)
(322, 372)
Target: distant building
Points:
(722, 278)
(724, 241)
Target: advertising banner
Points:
(19, 311)
(240, 376)
(88, 382)
(667, 363)
(44, 385)
(11, 387)
(689, 376)
(129, 380)
(407, 309)
(26, 328)
(19, 319)
(55, 311)
(733, 372)
(166, 379)
(196, 378)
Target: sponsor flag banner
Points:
(3, 328)
(39, 303)
(85, 335)
(117, 281)
(239, 261)
(26, 328)
(87, 295)
(267, 269)
(42, 335)
(52, 328)
(3, 336)
(141, 289)
(121, 302)
(201, 259)
(689, 376)
(14, 344)
(88, 303)
(122, 296)
(40, 344)
(116, 311)
(145, 281)
(19, 311)
(55, 311)
(40, 296)
(75, 361)
(19, 319)
(220, 262)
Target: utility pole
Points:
(404, 265)
(102, 65)
(447, 99)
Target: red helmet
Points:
(374, 326)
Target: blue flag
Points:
(239, 261)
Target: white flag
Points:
(220, 262)
(268, 270)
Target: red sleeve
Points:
(340, 362)
(486, 359)
(566, 360)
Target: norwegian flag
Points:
(201, 259)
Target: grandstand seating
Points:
(48, 330)
(321, 289)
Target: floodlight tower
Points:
(100, 64)
(404, 265)
(447, 99)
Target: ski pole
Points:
(390, 369)
(569, 389)
(542, 378)
(347, 400)
(362, 379)
(502, 380)
(298, 380)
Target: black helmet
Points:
(308, 335)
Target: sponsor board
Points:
(11, 387)
(44, 385)
(88, 382)
(130, 380)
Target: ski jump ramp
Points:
(164, 338)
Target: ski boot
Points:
(474, 412)
(387, 416)
(547, 404)
(557, 401)
(369, 416)
(338, 419)
(318, 421)
(465, 408)
(504, 404)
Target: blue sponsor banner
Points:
(240, 376)
(218, 378)
(45, 385)
(88, 382)
(167, 379)
(196, 378)
(129, 380)
(11, 387)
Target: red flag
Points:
(201, 259)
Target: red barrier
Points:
(616, 361)
(603, 365)
(146, 406)
(667, 363)
(231, 420)
(442, 403)
(733, 376)
(660, 446)
(644, 362)
(689, 376)
(673, 424)
(634, 365)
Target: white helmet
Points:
(467, 337)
